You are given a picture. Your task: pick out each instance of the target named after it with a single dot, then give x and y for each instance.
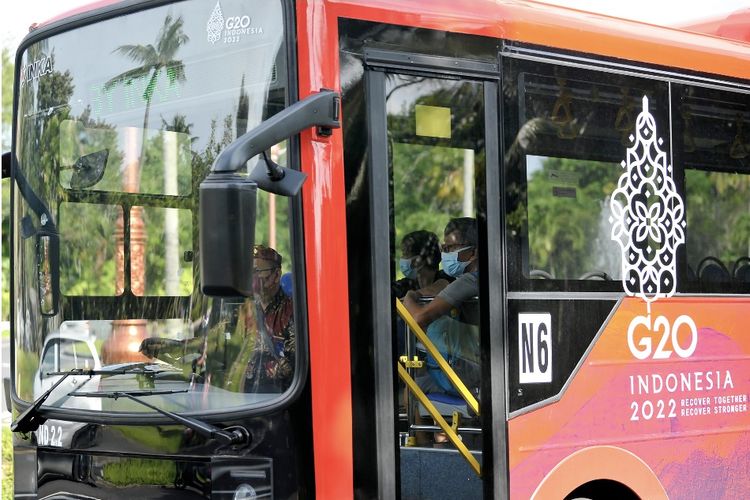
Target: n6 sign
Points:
(534, 348)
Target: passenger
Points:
(271, 315)
(420, 260)
(458, 342)
(460, 257)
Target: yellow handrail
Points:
(442, 363)
(449, 431)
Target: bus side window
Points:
(567, 137)
(712, 134)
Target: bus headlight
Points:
(245, 492)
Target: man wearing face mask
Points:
(460, 259)
(270, 315)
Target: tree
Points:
(152, 60)
(428, 173)
(568, 212)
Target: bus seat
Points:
(287, 284)
(712, 270)
(446, 405)
(691, 274)
(741, 270)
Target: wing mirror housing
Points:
(227, 226)
(89, 169)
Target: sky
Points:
(17, 16)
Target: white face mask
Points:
(451, 265)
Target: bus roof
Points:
(550, 25)
(563, 28)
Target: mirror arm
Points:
(321, 110)
(33, 200)
(274, 171)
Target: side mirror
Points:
(227, 234)
(48, 272)
(227, 199)
(89, 169)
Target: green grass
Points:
(163, 438)
(7, 463)
(133, 471)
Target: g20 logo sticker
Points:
(641, 343)
(534, 348)
(648, 222)
(229, 29)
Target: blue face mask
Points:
(451, 265)
(407, 269)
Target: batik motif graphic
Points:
(648, 215)
(215, 24)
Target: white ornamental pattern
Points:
(215, 24)
(648, 215)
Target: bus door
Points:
(433, 224)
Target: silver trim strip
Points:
(621, 68)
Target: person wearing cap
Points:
(270, 315)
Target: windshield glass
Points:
(118, 123)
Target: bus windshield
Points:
(117, 124)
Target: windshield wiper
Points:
(31, 418)
(230, 435)
(138, 368)
(133, 368)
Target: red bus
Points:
(376, 249)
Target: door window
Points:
(435, 130)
